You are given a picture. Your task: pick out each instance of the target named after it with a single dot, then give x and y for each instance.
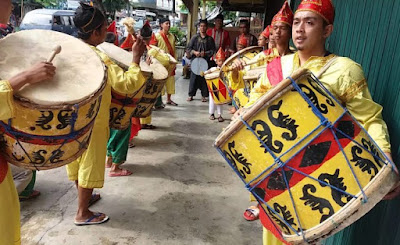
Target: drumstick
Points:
(56, 51)
(230, 68)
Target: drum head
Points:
(159, 71)
(198, 66)
(254, 74)
(80, 72)
(246, 54)
(146, 69)
(118, 55)
(213, 73)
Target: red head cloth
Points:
(127, 44)
(285, 15)
(242, 40)
(220, 54)
(266, 32)
(322, 7)
(113, 28)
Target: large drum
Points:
(53, 120)
(217, 88)
(123, 105)
(250, 79)
(311, 166)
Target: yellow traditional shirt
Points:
(161, 43)
(346, 81)
(9, 204)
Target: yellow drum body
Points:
(307, 161)
(241, 97)
(45, 137)
(217, 88)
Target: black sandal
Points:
(212, 117)
(148, 126)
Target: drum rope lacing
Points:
(323, 123)
(72, 135)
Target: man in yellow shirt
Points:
(88, 170)
(10, 225)
(312, 25)
(166, 41)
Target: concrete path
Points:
(181, 192)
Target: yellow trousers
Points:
(170, 85)
(10, 226)
(89, 168)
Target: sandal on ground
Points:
(203, 99)
(251, 213)
(220, 119)
(94, 198)
(108, 162)
(212, 117)
(33, 195)
(123, 172)
(158, 107)
(131, 145)
(90, 220)
(189, 99)
(148, 126)
(172, 103)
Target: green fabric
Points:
(118, 145)
(159, 101)
(29, 189)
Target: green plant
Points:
(179, 35)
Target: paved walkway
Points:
(181, 192)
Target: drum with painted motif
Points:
(53, 120)
(250, 78)
(312, 167)
(217, 88)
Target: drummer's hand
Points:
(238, 113)
(396, 189)
(238, 65)
(37, 73)
(202, 54)
(148, 60)
(138, 49)
(196, 53)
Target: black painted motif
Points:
(315, 154)
(317, 203)
(44, 119)
(371, 147)
(265, 135)
(283, 121)
(65, 119)
(90, 113)
(237, 158)
(336, 181)
(347, 127)
(364, 164)
(56, 156)
(38, 157)
(287, 217)
(277, 182)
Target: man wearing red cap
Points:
(244, 27)
(263, 38)
(312, 25)
(219, 58)
(220, 36)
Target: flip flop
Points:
(203, 99)
(212, 117)
(172, 103)
(131, 145)
(95, 197)
(124, 172)
(90, 222)
(148, 126)
(220, 119)
(251, 213)
(189, 99)
(34, 194)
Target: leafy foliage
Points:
(179, 35)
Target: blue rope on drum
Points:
(279, 164)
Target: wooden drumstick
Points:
(56, 51)
(230, 68)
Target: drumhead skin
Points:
(214, 74)
(159, 71)
(80, 72)
(198, 66)
(254, 73)
(118, 55)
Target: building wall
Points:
(369, 33)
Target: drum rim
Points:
(235, 55)
(246, 76)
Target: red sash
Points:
(169, 46)
(274, 71)
(3, 168)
